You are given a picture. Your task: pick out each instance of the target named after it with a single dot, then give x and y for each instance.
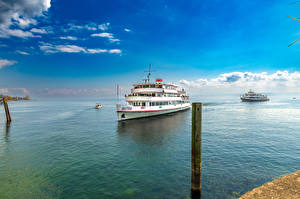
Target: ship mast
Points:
(149, 74)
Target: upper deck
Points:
(155, 85)
(155, 91)
(156, 88)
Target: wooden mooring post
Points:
(8, 118)
(196, 150)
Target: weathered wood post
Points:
(8, 118)
(196, 150)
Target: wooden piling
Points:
(196, 150)
(8, 118)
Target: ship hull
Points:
(254, 100)
(128, 115)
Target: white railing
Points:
(151, 99)
(148, 90)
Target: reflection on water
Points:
(153, 130)
(6, 132)
(5, 129)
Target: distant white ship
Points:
(153, 98)
(254, 97)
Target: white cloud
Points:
(37, 30)
(73, 27)
(104, 26)
(114, 40)
(59, 92)
(21, 14)
(127, 30)
(110, 36)
(95, 51)
(49, 48)
(5, 63)
(23, 23)
(104, 34)
(89, 26)
(69, 48)
(16, 33)
(247, 80)
(69, 38)
(116, 51)
(196, 84)
(14, 91)
(22, 52)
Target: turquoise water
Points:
(67, 149)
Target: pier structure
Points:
(287, 187)
(196, 150)
(8, 117)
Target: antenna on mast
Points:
(118, 93)
(149, 74)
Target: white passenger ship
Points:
(150, 99)
(254, 97)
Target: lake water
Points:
(67, 149)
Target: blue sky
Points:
(56, 47)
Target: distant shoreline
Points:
(14, 98)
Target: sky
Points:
(72, 48)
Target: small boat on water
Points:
(98, 106)
(254, 97)
(153, 98)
